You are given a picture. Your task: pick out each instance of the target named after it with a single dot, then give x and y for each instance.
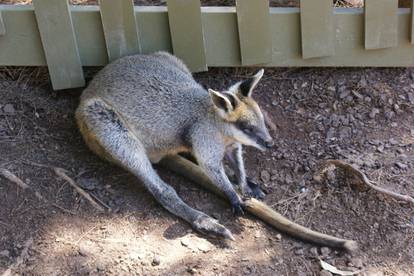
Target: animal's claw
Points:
(209, 226)
(254, 190)
(237, 208)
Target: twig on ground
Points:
(102, 203)
(16, 180)
(364, 179)
(63, 209)
(61, 173)
(13, 178)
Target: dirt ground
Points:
(363, 116)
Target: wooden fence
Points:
(65, 38)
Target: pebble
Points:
(362, 82)
(389, 114)
(9, 108)
(299, 252)
(400, 151)
(331, 88)
(401, 166)
(156, 261)
(265, 176)
(380, 148)
(325, 251)
(4, 253)
(343, 92)
(314, 252)
(357, 262)
(374, 112)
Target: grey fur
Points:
(141, 108)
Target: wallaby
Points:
(142, 108)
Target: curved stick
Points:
(364, 179)
(257, 208)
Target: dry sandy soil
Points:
(363, 116)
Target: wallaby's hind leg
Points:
(106, 133)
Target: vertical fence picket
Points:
(186, 31)
(58, 39)
(412, 21)
(253, 19)
(381, 24)
(120, 28)
(317, 28)
(2, 27)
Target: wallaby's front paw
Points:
(253, 190)
(237, 208)
(209, 226)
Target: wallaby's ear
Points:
(246, 87)
(221, 101)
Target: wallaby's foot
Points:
(209, 226)
(253, 190)
(237, 208)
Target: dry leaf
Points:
(334, 270)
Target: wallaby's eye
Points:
(247, 130)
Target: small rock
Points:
(401, 165)
(380, 148)
(393, 141)
(5, 253)
(411, 98)
(325, 251)
(343, 92)
(9, 108)
(357, 262)
(265, 176)
(389, 114)
(363, 81)
(156, 261)
(325, 273)
(400, 150)
(299, 251)
(374, 112)
(278, 237)
(331, 88)
(314, 252)
(191, 270)
(345, 133)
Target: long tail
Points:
(257, 208)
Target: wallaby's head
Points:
(242, 113)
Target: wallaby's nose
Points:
(269, 144)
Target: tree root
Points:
(351, 170)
